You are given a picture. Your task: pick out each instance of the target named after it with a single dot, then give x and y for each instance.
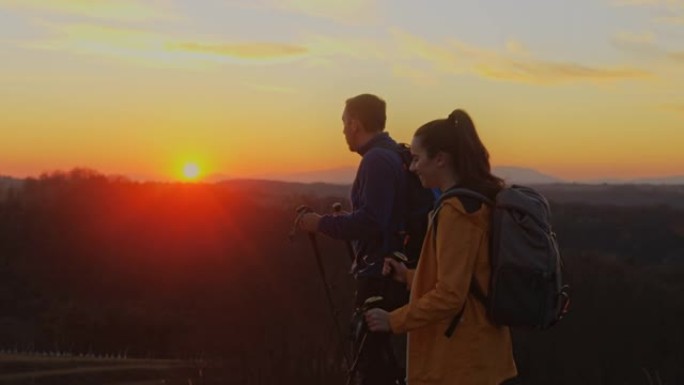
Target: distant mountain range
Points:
(345, 176)
(653, 193)
(510, 174)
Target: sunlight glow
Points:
(191, 171)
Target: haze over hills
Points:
(272, 191)
(512, 174)
(345, 176)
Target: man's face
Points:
(350, 128)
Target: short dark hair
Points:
(457, 136)
(369, 109)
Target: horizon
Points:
(177, 91)
(511, 174)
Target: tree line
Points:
(97, 264)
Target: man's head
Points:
(363, 117)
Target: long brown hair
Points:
(456, 135)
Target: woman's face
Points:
(425, 167)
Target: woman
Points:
(448, 153)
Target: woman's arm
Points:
(458, 240)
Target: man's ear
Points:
(356, 125)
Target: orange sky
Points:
(581, 91)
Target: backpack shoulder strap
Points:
(460, 193)
(464, 192)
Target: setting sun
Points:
(191, 171)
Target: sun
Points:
(191, 171)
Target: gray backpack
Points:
(526, 287)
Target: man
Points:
(374, 227)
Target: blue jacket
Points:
(378, 207)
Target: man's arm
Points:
(379, 182)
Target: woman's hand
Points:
(396, 270)
(377, 320)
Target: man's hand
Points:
(309, 222)
(396, 270)
(377, 320)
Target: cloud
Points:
(652, 3)
(342, 11)
(645, 38)
(545, 72)
(670, 12)
(674, 107)
(272, 89)
(645, 45)
(634, 2)
(416, 75)
(670, 20)
(121, 10)
(514, 64)
(515, 47)
(144, 47)
(256, 50)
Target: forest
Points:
(91, 264)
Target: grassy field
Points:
(53, 370)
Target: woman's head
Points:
(449, 151)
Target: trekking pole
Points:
(301, 210)
(368, 304)
(337, 208)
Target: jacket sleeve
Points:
(458, 240)
(379, 185)
(410, 273)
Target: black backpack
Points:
(419, 202)
(526, 286)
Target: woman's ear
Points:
(441, 158)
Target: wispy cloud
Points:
(514, 63)
(674, 107)
(341, 11)
(669, 12)
(545, 72)
(123, 10)
(644, 38)
(144, 47)
(256, 50)
(645, 44)
(665, 3)
(670, 19)
(416, 75)
(271, 88)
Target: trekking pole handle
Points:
(301, 210)
(399, 257)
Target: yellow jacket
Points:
(479, 352)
